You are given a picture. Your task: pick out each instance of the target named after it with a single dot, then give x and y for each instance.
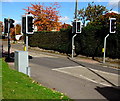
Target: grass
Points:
(17, 85)
(0, 79)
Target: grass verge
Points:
(0, 78)
(17, 85)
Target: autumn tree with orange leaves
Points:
(46, 17)
(15, 31)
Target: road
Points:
(76, 79)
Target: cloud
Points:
(64, 19)
(113, 3)
(114, 12)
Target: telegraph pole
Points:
(75, 19)
(76, 8)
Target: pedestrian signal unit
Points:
(8, 23)
(76, 27)
(112, 25)
(5, 25)
(27, 24)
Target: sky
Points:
(14, 8)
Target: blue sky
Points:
(15, 10)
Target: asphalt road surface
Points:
(75, 80)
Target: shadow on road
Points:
(11, 59)
(110, 93)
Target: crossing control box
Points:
(21, 62)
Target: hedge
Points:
(58, 41)
(89, 43)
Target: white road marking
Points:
(94, 81)
(86, 68)
(68, 67)
(81, 76)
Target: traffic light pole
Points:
(9, 39)
(73, 46)
(105, 48)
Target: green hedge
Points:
(58, 41)
(89, 43)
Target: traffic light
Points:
(112, 25)
(24, 24)
(78, 27)
(5, 25)
(30, 23)
(74, 27)
(11, 21)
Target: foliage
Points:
(65, 27)
(89, 43)
(18, 29)
(92, 12)
(12, 33)
(1, 27)
(57, 41)
(46, 17)
(17, 85)
(94, 34)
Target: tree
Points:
(18, 29)
(65, 27)
(92, 12)
(1, 27)
(46, 17)
(102, 24)
(12, 33)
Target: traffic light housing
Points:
(24, 24)
(5, 25)
(112, 25)
(76, 27)
(29, 27)
(11, 21)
